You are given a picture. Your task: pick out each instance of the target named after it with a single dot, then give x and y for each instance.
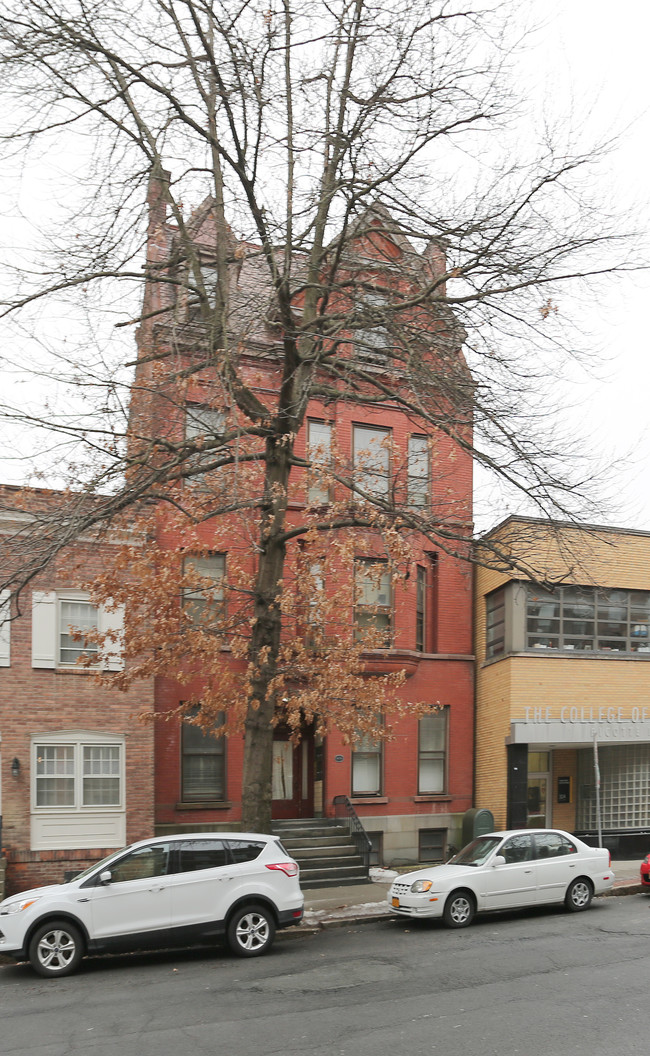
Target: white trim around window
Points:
(5, 628)
(77, 790)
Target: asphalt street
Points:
(540, 983)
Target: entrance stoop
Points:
(325, 851)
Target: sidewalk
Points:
(336, 906)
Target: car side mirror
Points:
(499, 860)
(105, 877)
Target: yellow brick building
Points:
(563, 680)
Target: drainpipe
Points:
(597, 780)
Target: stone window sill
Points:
(207, 804)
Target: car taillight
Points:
(289, 868)
(610, 860)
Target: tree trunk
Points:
(265, 641)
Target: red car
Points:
(645, 871)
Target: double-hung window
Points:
(203, 594)
(418, 483)
(372, 341)
(371, 459)
(63, 625)
(319, 453)
(432, 753)
(373, 609)
(421, 609)
(203, 424)
(314, 607)
(203, 763)
(366, 766)
(210, 281)
(5, 628)
(75, 618)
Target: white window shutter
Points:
(5, 628)
(44, 629)
(112, 620)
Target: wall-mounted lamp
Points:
(15, 767)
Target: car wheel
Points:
(251, 931)
(459, 910)
(56, 948)
(579, 895)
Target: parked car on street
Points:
(645, 871)
(167, 891)
(505, 870)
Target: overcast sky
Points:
(593, 56)
(588, 58)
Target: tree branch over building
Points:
(263, 190)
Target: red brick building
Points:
(412, 789)
(76, 765)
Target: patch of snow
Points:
(378, 875)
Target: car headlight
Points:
(17, 907)
(421, 885)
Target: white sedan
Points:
(505, 870)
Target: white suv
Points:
(167, 891)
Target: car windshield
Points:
(99, 865)
(476, 852)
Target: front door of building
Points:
(538, 786)
(293, 775)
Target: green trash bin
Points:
(476, 822)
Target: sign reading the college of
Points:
(585, 714)
(579, 724)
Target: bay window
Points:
(77, 790)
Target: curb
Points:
(626, 887)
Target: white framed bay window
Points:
(77, 790)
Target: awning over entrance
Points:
(579, 734)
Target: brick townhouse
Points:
(77, 765)
(412, 790)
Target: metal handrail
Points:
(355, 829)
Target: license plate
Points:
(395, 902)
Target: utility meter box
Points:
(476, 822)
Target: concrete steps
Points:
(324, 850)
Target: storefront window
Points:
(624, 787)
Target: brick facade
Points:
(440, 674)
(556, 696)
(39, 703)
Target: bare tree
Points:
(329, 254)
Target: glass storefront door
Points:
(538, 785)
